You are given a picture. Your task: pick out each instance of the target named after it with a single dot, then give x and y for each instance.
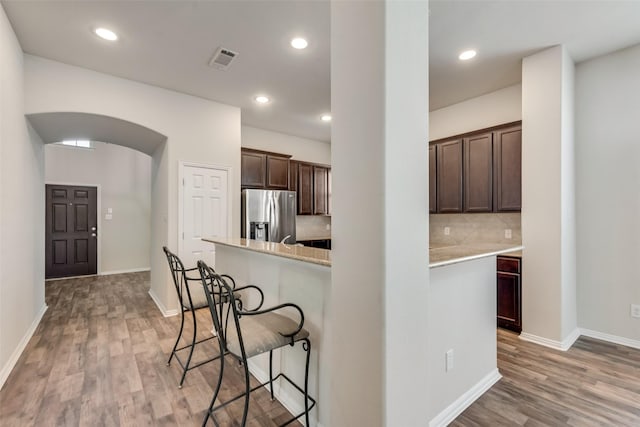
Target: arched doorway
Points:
(85, 187)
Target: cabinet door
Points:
(277, 173)
(432, 179)
(508, 169)
(329, 196)
(253, 170)
(449, 176)
(320, 193)
(509, 301)
(478, 173)
(293, 175)
(305, 189)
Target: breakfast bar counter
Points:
(439, 255)
(295, 252)
(461, 315)
(287, 274)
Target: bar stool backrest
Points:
(179, 275)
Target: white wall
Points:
(304, 149)
(608, 192)
(547, 198)
(495, 108)
(197, 130)
(569, 305)
(124, 178)
(379, 288)
(22, 209)
(469, 330)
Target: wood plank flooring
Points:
(593, 384)
(98, 358)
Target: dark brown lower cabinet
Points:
(320, 243)
(509, 289)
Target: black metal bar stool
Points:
(244, 333)
(192, 298)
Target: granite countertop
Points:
(439, 255)
(300, 253)
(517, 254)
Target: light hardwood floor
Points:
(593, 384)
(98, 358)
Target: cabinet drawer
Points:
(508, 265)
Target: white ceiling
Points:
(169, 43)
(503, 32)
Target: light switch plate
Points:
(635, 310)
(449, 360)
(447, 231)
(108, 217)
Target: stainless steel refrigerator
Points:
(269, 215)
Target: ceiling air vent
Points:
(222, 58)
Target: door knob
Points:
(93, 229)
(93, 234)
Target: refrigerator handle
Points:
(273, 208)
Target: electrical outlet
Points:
(447, 231)
(507, 233)
(635, 310)
(449, 361)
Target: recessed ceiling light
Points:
(467, 54)
(299, 43)
(325, 117)
(106, 34)
(261, 99)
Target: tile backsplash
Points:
(475, 228)
(312, 227)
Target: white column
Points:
(380, 276)
(548, 199)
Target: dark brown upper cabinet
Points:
(254, 170)
(320, 190)
(293, 175)
(262, 169)
(432, 179)
(478, 173)
(508, 169)
(313, 188)
(449, 176)
(305, 189)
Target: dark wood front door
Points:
(71, 231)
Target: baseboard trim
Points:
(165, 312)
(610, 338)
(563, 345)
(129, 270)
(11, 363)
(463, 402)
(102, 273)
(291, 403)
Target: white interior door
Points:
(205, 203)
